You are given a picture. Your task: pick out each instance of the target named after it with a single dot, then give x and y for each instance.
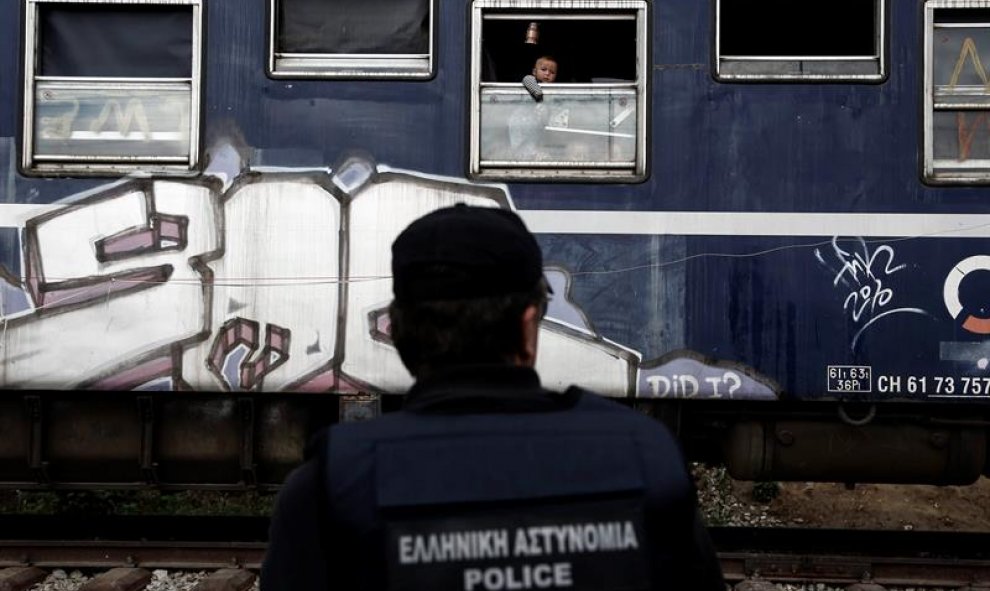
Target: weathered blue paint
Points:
(765, 303)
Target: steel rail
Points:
(106, 554)
(779, 555)
(161, 541)
(883, 557)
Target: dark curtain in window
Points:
(353, 26)
(116, 41)
(796, 28)
(585, 50)
(962, 15)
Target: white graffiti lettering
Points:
(688, 386)
(728, 377)
(188, 285)
(861, 274)
(125, 118)
(59, 126)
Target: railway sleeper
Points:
(22, 578)
(119, 579)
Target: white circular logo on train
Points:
(975, 321)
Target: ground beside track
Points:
(724, 502)
(830, 505)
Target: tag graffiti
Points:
(688, 374)
(863, 275)
(688, 386)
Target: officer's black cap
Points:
(465, 252)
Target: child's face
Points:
(545, 70)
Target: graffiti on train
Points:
(862, 272)
(685, 374)
(275, 280)
(969, 125)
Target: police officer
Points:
(485, 481)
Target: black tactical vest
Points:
(579, 494)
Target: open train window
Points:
(957, 91)
(351, 38)
(111, 87)
(589, 123)
(779, 40)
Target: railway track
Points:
(844, 557)
(122, 553)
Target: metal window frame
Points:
(797, 68)
(35, 164)
(561, 171)
(401, 66)
(949, 171)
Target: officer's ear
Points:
(530, 319)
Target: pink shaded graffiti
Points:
(239, 332)
(51, 294)
(325, 381)
(136, 376)
(163, 232)
(333, 380)
(380, 325)
(166, 232)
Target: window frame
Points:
(45, 165)
(931, 173)
(354, 66)
(819, 65)
(553, 171)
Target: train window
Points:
(586, 123)
(957, 91)
(351, 38)
(111, 87)
(780, 40)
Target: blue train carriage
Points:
(768, 234)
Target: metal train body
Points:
(785, 257)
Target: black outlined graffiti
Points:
(169, 284)
(251, 368)
(166, 232)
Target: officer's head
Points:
(469, 289)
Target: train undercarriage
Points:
(92, 440)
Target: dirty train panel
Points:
(218, 215)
